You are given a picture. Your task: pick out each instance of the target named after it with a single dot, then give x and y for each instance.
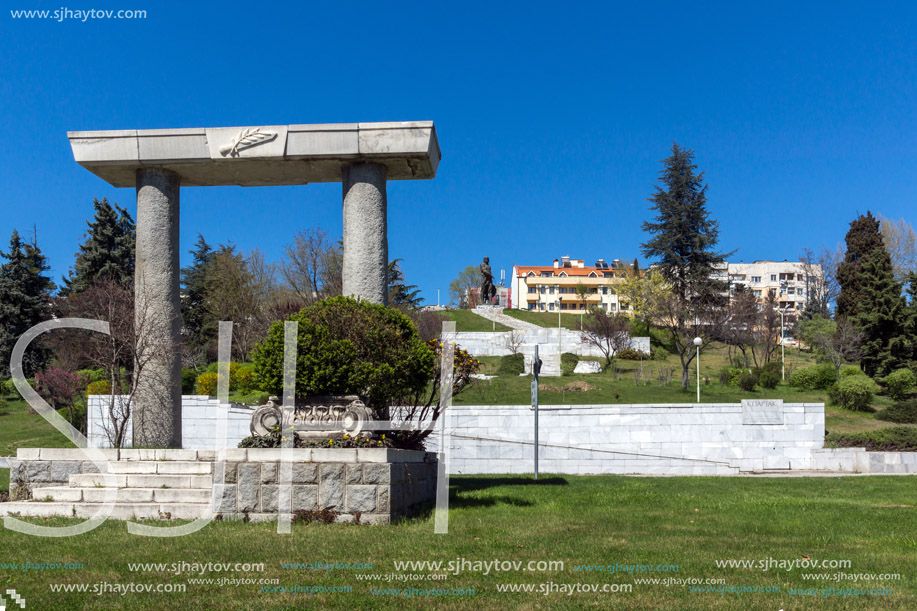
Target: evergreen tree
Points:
(198, 327)
(399, 293)
(636, 268)
(684, 235)
(882, 316)
(862, 239)
(25, 300)
(107, 251)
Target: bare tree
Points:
(127, 353)
(513, 340)
(822, 286)
(655, 300)
(744, 317)
(767, 332)
(843, 345)
(304, 263)
(231, 294)
(901, 243)
(461, 290)
(610, 333)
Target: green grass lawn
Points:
(20, 429)
(545, 319)
(4, 480)
(468, 321)
(598, 520)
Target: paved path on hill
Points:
(497, 315)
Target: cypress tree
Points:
(862, 239)
(197, 324)
(882, 316)
(107, 251)
(684, 235)
(25, 300)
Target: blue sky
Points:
(552, 118)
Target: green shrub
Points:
(773, 367)
(769, 379)
(729, 376)
(207, 384)
(902, 413)
(851, 370)
(188, 381)
(899, 382)
(99, 387)
(241, 377)
(7, 388)
(854, 392)
(891, 439)
(659, 353)
(568, 362)
(511, 365)
(817, 377)
(748, 381)
(630, 354)
(88, 376)
(348, 346)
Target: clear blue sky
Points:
(552, 118)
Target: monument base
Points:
(373, 485)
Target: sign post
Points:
(536, 370)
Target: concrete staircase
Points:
(146, 489)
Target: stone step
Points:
(121, 511)
(160, 467)
(125, 495)
(98, 480)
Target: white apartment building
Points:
(789, 281)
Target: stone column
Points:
(365, 232)
(157, 400)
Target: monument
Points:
(488, 290)
(158, 162)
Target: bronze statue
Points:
(488, 290)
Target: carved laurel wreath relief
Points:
(247, 138)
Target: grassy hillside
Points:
(468, 321)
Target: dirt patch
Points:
(578, 386)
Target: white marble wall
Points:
(494, 344)
(199, 422)
(687, 439)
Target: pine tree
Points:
(107, 251)
(862, 239)
(685, 236)
(197, 324)
(25, 298)
(882, 316)
(636, 268)
(399, 293)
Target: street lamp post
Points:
(697, 342)
(782, 349)
(558, 323)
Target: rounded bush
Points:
(851, 370)
(99, 387)
(659, 353)
(773, 367)
(242, 377)
(511, 365)
(207, 384)
(630, 354)
(188, 381)
(348, 346)
(748, 381)
(568, 362)
(729, 376)
(854, 392)
(7, 388)
(902, 413)
(899, 382)
(817, 377)
(769, 379)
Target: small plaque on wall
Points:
(762, 411)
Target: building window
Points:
(551, 306)
(604, 290)
(756, 278)
(791, 290)
(612, 306)
(531, 306)
(608, 274)
(624, 306)
(773, 277)
(541, 290)
(547, 274)
(541, 307)
(550, 290)
(799, 277)
(772, 292)
(531, 290)
(593, 290)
